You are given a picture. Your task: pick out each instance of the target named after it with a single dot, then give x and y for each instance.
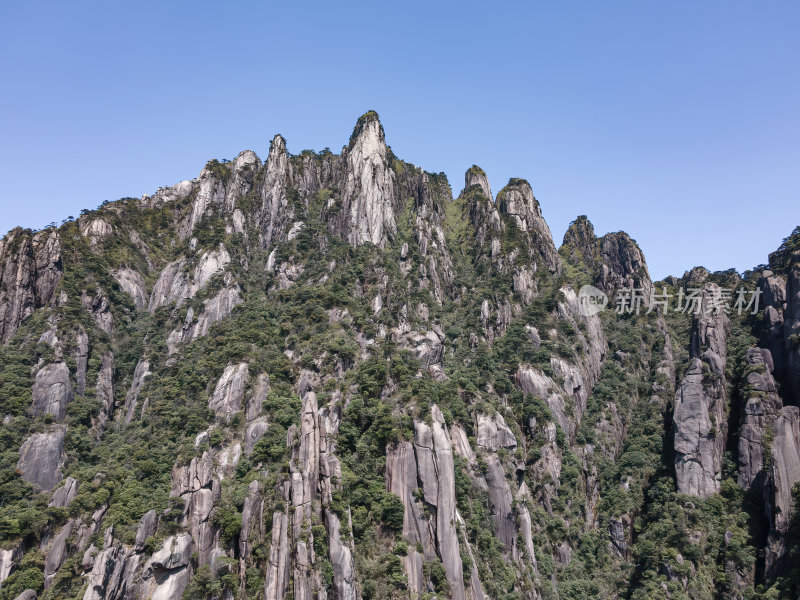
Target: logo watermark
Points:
(694, 301)
(591, 300)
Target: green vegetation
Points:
(586, 461)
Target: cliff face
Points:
(323, 376)
(791, 328)
(762, 404)
(700, 403)
(31, 272)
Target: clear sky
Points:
(678, 122)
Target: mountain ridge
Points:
(327, 376)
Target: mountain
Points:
(324, 376)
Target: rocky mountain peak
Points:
(580, 242)
(615, 259)
(369, 190)
(477, 176)
(368, 132)
(696, 276)
(277, 145)
(623, 264)
(245, 159)
(516, 200)
(319, 376)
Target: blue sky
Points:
(678, 122)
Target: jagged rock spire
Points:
(477, 176)
(580, 242)
(368, 198)
(622, 264)
(615, 259)
(516, 200)
(699, 423)
(274, 202)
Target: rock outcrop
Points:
(112, 574)
(57, 552)
(81, 361)
(791, 329)
(229, 393)
(368, 196)
(699, 422)
(252, 521)
(52, 390)
(436, 472)
(615, 260)
(256, 396)
(277, 571)
(175, 193)
(314, 475)
(579, 246)
(215, 308)
(275, 214)
(41, 457)
(140, 375)
(304, 478)
(65, 494)
(168, 571)
(6, 563)
(104, 391)
(146, 528)
(785, 473)
(516, 200)
(30, 271)
(255, 431)
(99, 308)
(761, 407)
(132, 283)
(771, 334)
(198, 485)
(477, 176)
(401, 480)
(501, 499)
(622, 265)
(95, 230)
(493, 433)
(567, 398)
(173, 285)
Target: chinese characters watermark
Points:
(693, 301)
